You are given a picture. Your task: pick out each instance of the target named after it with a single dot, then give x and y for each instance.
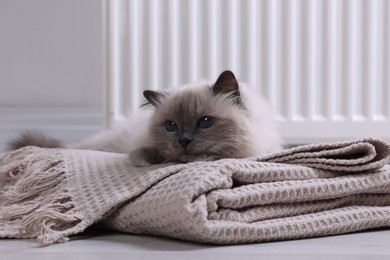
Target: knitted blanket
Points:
(312, 190)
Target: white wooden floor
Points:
(365, 245)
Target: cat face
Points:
(199, 120)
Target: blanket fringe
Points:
(34, 200)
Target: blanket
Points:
(307, 191)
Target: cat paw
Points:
(208, 158)
(139, 162)
(138, 159)
(199, 158)
(144, 157)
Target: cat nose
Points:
(184, 141)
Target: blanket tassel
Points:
(30, 174)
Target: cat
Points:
(199, 122)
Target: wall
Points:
(51, 67)
(323, 65)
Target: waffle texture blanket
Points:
(307, 191)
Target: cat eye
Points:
(205, 122)
(170, 126)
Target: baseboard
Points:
(67, 124)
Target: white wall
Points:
(323, 65)
(51, 59)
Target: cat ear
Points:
(227, 84)
(153, 97)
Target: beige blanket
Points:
(313, 190)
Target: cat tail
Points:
(34, 138)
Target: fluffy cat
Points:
(192, 123)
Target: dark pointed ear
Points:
(227, 83)
(154, 97)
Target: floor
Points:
(364, 245)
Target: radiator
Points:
(323, 65)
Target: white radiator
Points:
(323, 65)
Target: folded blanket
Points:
(312, 190)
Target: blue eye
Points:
(170, 126)
(205, 122)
